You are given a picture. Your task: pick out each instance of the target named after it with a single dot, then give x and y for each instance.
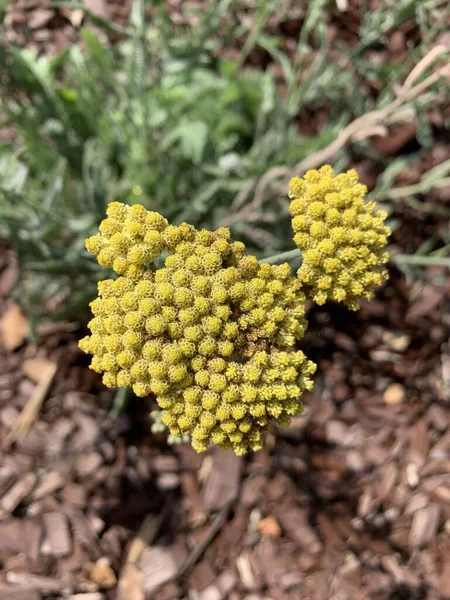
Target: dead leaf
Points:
(14, 327)
(35, 368)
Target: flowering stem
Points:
(426, 261)
(282, 257)
(400, 259)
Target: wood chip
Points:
(438, 417)
(201, 576)
(159, 565)
(269, 527)
(14, 327)
(20, 535)
(17, 493)
(444, 580)
(443, 493)
(8, 474)
(131, 584)
(75, 494)
(418, 439)
(42, 584)
(39, 18)
(429, 299)
(82, 530)
(197, 513)
(290, 580)
(8, 279)
(424, 525)
(245, 571)
(76, 17)
(12, 593)
(394, 394)
(417, 502)
(168, 481)
(57, 532)
(212, 592)
(389, 477)
(88, 596)
(227, 581)
(165, 463)
(102, 574)
(398, 342)
(222, 484)
(87, 464)
(49, 483)
(86, 434)
(9, 416)
(97, 6)
(294, 522)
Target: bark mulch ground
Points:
(352, 501)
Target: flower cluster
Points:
(210, 334)
(342, 237)
(130, 238)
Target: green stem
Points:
(426, 261)
(400, 259)
(276, 259)
(120, 402)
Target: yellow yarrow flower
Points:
(342, 237)
(210, 334)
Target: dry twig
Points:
(32, 408)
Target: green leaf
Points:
(192, 138)
(14, 174)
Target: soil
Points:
(351, 501)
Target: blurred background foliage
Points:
(180, 119)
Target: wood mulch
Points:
(352, 501)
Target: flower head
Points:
(342, 237)
(210, 334)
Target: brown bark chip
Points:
(269, 527)
(424, 525)
(131, 584)
(75, 494)
(19, 594)
(20, 535)
(102, 574)
(57, 532)
(444, 579)
(212, 592)
(46, 585)
(49, 483)
(82, 531)
(294, 522)
(17, 493)
(159, 564)
(222, 484)
(88, 596)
